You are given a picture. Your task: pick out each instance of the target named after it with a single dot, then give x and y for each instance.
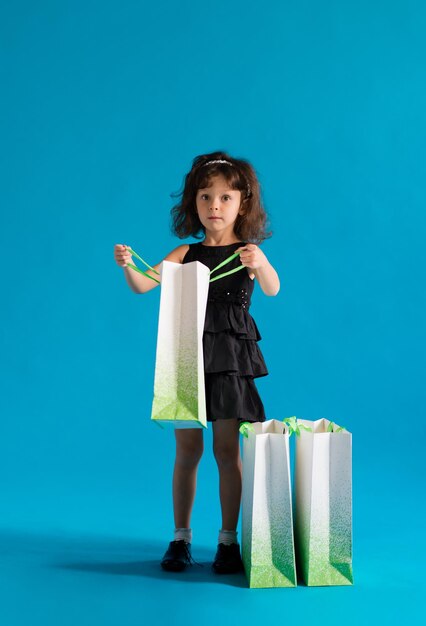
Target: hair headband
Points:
(232, 165)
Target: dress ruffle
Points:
(230, 397)
(232, 317)
(230, 341)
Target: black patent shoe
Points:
(177, 556)
(228, 559)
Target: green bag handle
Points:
(291, 422)
(225, 262)
(133, 267)
(331, 428)
(245, 428)
(294, 426)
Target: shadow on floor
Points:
(115, 556)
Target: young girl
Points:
(220, 204)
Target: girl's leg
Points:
(226, 447)
(189, 449)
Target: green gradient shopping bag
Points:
(179, 391)
(179, 394)
(323, 502)
(267, 520)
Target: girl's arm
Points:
(253, 258)
(268, 279)
(139, 283)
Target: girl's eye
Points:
(205, 196)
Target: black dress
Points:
(232, 358)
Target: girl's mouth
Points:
(215, 218)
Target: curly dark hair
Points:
(249, 227)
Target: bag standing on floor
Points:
(323, 503)
(267, 520)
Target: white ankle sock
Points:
(183, 533)
(228, 536)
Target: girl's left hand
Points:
(252, 256)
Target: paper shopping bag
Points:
(267, 521)
(323, 502)
(179, 393)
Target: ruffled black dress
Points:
(232, 358)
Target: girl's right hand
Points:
(122, 255)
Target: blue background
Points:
(104, 105)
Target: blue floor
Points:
(82, 579)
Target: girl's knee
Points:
(226, 455)
(189, 451)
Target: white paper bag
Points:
(323, 500)
(267, 521)
(179, 393)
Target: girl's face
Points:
(218, 206)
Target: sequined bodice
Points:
(236, 288)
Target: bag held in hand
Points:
(179, 394)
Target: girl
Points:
(221, 205)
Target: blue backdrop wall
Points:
(103, 108)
